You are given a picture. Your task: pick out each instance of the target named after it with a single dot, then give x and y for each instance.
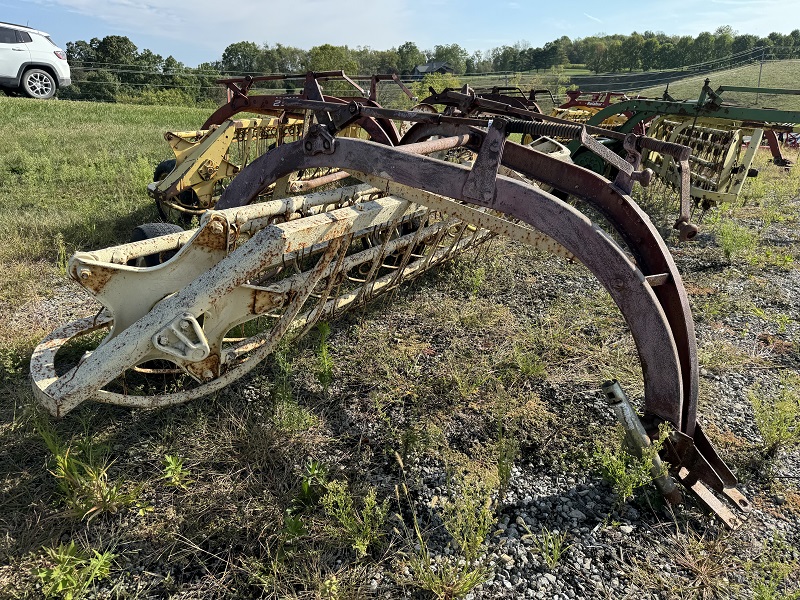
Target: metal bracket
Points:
(467, 101)
(607, 154)
(683, 225)
(183, 338)
(345, 115)
(627, 171)
(319, 141)
(698, 467)
(633, 157)
(480, 184)
(692, 460)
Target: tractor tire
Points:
(148, 231)
(39, 84)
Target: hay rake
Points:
(252, 274)
(206, 160)
(714, 130)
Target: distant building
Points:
(432, 67)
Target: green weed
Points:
(466, 375)
(63, 256)
(467, 514)
(313, 484)
(704, 562)
(287, 414)
(362, 528)
(507, 452)
(324, 359)
(735, 240)
(330, 589)
(622, 469)
(551, 545)
(71, 571)
(773, 572)
(14, 358)
(82, 476)
(444, 577)
(475, 278)
(777, 416)
(174, 473)
(721, 356)
(527, 362)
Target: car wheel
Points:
(38, 84)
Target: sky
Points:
(197, 31)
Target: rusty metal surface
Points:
(480, 183)
(380, 130)
(216, 276)
(546, 213)
(652, 257)
(641, 238)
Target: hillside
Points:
(783, 74)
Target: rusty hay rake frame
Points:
(294, 261)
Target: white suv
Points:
(30, 62)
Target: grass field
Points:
(389, 478)
(779, 74)
(73, 176)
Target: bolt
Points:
(163, 340)
(208, 374)
(197, 354)
(326, 144)
(216, 227)
(309, 146)
(185, 324)
(84, 273)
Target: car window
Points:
(49, 40)
(8, 36)
(24, 36)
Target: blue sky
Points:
(199, 30)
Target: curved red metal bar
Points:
(642, 309)
(633, 226)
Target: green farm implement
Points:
(723, 138)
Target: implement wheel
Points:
(148, 231)
(186, 198)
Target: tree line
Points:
(114, 69)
